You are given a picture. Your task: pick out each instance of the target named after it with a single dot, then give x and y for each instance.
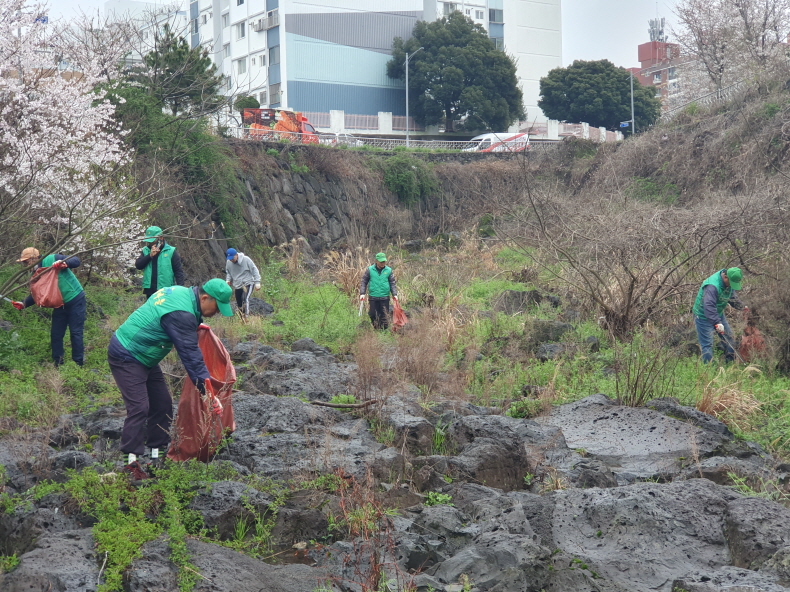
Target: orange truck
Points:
(278, 124)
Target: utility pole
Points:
(407, 93)
(633, 121)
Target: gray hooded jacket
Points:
(242, 273)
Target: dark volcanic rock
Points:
(309, 371)
(756, 528)
(633, 442)
(223, 570)
(224, 503)
(513, 301)
(549, 351)
(61, 562)
(643, 536)
(548, 331)
(282, 437)
(260, 307)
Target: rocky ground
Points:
(592, 496)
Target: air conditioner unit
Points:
(258, 25)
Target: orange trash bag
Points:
(398, 316)
(199, 428)
(45, 289)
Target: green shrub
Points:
(524, 409)
(409, 178)
(435, 498)
(652, 190)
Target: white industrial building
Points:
(319, 56)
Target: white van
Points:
(499, 142)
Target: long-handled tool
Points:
(361, 304)
(732, 347)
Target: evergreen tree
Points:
(458, 75)
(598, 93)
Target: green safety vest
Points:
(142, 334)
(70, 287)
(164, 268)
(725, 293)
(379, 285)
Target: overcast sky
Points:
(592, 29)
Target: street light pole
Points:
(633, 121)
(407, 94)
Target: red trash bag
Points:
(199, 430)
(398, 316)
(45, 289)
(752, 344)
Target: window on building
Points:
(673, 73)
(241, 66)
(468, 12)
(274, 93)
(226, 50)
(499, 43)
(193, 26)
(239, 2)
(262, 60)
(274, 55)
(450, 7)
(479, 15)
(495, 15)
(241, 30)
(225, 20)
(228, 82)
(203, 19)
(262, 98)
(657, 78)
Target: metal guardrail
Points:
(349, 141)
(717, 96)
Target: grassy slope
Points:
(489, 355)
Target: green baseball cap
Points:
(381, 257)
(221, 292)
(151, 234)
(735, 276)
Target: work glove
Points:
(258, 286)
(361, 297)
(395, 297)
(216, 406)
(720, 328)
(18, 305)
(60, 265)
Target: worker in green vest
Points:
(169, 318)
(379, 282)
(160, 262)
(714, 295)
(71, 315)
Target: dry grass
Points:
(370, 375)
(727, 401)
(345, 268)
(420, 355)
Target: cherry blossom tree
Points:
(733, 40)
(66, 177)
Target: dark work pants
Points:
(72, 316)
(379, 312)
(149, 406)
(243, 298)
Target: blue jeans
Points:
(72, 316)
(705, 332)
